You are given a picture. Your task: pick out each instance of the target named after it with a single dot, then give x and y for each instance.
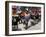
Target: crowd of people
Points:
(25, 15)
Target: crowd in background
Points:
(23, 14)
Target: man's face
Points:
(13, 11)
(23, 14)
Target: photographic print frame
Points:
(7, 15)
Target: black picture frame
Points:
(7, 18)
